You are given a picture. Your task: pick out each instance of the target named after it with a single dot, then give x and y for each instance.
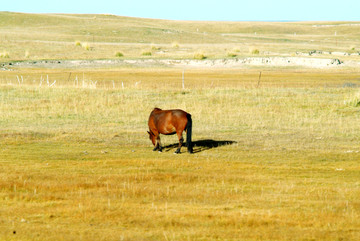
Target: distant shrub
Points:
(354, 101)
(199, 56)
(86, 46)
(146, 53)
(236, 50)
(255, 51)
(231, 54)
(4, 55)
(175, 45)
(119, 54)
(154, 47)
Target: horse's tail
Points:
(188, 133)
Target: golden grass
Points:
(4, 55)
(176, 39)
(199, 55)
(76, 162)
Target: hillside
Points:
(73, 36)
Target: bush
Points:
(253, 50)
(154, 47)
(231, 55)
(175, 45)
(86, 46)
(353, 101)
(146, 53)
(4, 55)
(119, 54)
(77, 43)
(199, 56)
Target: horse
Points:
(169, 122)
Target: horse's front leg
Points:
(181, 141)
(158, 145)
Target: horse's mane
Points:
(157, 109)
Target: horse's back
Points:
(179, 113)
(176, 113)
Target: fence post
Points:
(259, 80)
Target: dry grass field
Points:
(275, 159)
(59, 36)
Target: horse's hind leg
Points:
(181, 141)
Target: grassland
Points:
(59, 36)
(275, 159)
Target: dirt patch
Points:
(191, 63)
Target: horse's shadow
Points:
(200, 145)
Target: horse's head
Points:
(152, 137)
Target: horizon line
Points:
(192, 20)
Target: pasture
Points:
(274, 162)
(78, 36)
(275, 158)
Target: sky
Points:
(206, 10)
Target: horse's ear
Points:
(149, 132)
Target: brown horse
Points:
(169, 122)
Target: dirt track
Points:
(189, 63)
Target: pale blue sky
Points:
(227, 10)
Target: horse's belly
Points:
(170, 130)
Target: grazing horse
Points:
(169, 122)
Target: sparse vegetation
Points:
(199, 55)
(274, 37)
(276, 157)
(175, 45)
(254, 51)
(146, 53)
(231, 54)
(296, 143)
(353, 101)
(4, 55)
(119, 54)
(154, 47)
(86, 46)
